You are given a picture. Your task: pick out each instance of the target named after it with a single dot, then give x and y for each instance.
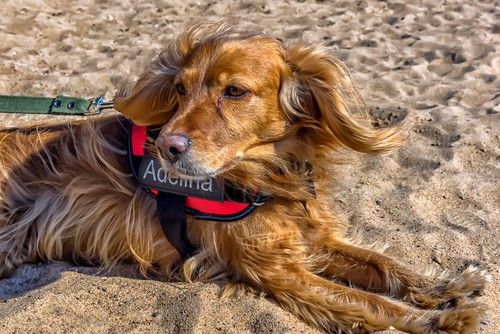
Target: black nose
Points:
(173, 146)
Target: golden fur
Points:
(67, 192)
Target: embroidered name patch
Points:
(152, 175)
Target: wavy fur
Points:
(67, 193)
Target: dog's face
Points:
(222, 97)
(223, 107)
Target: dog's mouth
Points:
(182, 168)
(185, 170)
(188, 167)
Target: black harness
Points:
(172, 207)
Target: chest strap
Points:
(170, 208)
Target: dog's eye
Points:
(233, 91)
(181, 89)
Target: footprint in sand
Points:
(387, 117)
(438, 137)
(464, 222)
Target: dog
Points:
(262, 115)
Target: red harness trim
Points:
(213, 209)
(138, 140)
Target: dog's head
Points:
(224, 98)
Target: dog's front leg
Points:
(275, 258)
(340, 309)
(378, 272)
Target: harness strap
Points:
(170, 208)
(60, 105)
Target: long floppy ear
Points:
(153, 98)
(318, 92)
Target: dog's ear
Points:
(153, 98)
(317, 92)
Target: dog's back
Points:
(62, 191)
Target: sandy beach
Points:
(435, 201)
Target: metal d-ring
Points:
(98, 105)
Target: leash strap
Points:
(170, 208)
(60, 105)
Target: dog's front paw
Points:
(472, 282)
(462, 320)
(451, 292)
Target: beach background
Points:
(435, 201)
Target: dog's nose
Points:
(173, 146)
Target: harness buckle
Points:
(259, 200)
(98, 105)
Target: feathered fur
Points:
(67, 193)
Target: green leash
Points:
(60, 105)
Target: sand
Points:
(435, 201)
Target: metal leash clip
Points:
(98, 105)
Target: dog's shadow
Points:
(93, 296)
(31, 277)
(120, 300)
